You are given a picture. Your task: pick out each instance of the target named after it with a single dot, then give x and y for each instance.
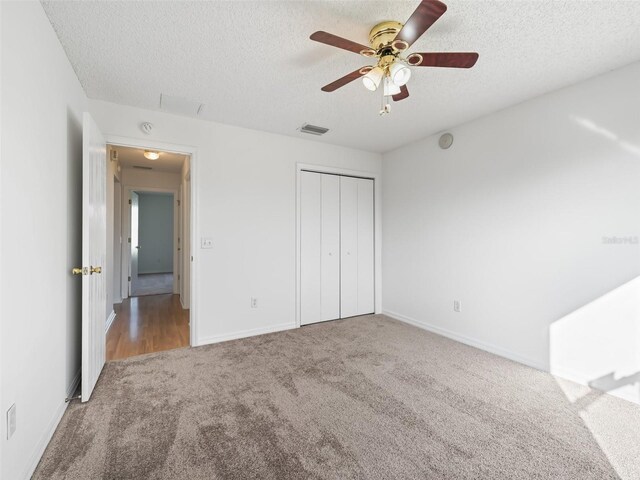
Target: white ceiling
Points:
(252, 64)
(129, 157)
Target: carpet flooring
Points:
(152, 284)
(367, 397)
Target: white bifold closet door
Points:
(336, 247)
(319, 247)
(356, 247)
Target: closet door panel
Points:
(348, 247)
(330, 248)
(310, 247)
(366, 255)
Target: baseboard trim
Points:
(182, 304)
(112, 317)
(74, 384)
(51, 428)
(245, 333)
(487, 347)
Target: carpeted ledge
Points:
(366, 397)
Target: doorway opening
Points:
(151, 254)
(153, 269)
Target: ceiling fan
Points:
(388, 43)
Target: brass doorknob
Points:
(79, 271)
(96, 270)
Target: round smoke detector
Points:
(445, 141)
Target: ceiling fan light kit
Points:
(372, 79)
(388, 41)
(390, 88)
(399, 73)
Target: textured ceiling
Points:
(131, 157)
(252, 63)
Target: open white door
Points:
(94, 253)
(134, 203)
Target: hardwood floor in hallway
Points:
(147, 324)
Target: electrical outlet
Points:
(11, 421)
(254, 302)
(206, 242)
(457, 306)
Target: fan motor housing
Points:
(383, 34)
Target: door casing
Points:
(194, 230)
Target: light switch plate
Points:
(206, 242)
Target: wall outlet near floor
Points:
(206, 242)
(254, 302)
(457, 306)
(11, 421)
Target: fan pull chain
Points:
(385, 106)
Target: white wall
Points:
(155, 230)
(599, 344)
(42, 104)
(133, 177)
(510, 220)
(246, 197)
(2, 402)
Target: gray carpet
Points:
(152, 284)
(366, 397)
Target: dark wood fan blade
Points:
(419, 22)
(450, 60)
(404, 93)
(335, 41)
(341, 82)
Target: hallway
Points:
(147, 324)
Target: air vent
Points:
(313, 129)
(142, 167)
(180, 105)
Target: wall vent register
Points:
(313, 129)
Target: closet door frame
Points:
(377, 234)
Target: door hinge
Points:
(178, 277)
(129, 278)
(178, 202)
(129, 201)
(129, 240)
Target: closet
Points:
(336, 247)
